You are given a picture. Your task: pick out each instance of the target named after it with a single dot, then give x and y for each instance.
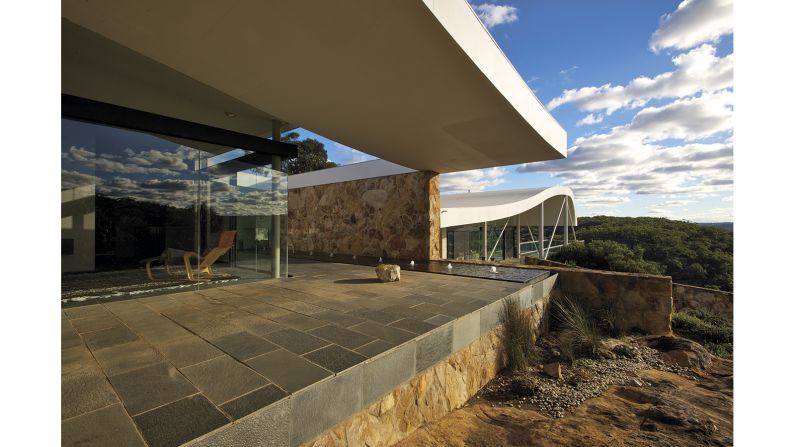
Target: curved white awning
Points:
(473, 208)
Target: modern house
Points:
(172, 115)
(378, 208)
(172, 179)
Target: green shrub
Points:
(608, 255)
(699, 255)
(713, 331)
(517, 335)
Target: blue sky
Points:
(644, 90)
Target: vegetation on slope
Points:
(699, 255)
(712, 331)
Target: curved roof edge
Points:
(469, 208)
(345, 173)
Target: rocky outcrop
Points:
(652, 407)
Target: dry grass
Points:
(578, 334)
(518, 336)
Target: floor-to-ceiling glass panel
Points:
(144, 214)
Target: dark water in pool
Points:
(511, 274)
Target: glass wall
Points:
(466, 241)
(142, 213)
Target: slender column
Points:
(443, 243)
(276, 224)
(485, 241)
(542, 253)
(518, 235)
(565, 220)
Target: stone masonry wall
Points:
(715, 301)
(640, 301)
(393, 216)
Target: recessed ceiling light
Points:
(230, 114)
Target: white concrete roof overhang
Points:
(419, 83)
(475, 208)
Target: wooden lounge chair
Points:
(165, 258)
(204, 270)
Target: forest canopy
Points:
(699, 255)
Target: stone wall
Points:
(699, 298)
(641, 301)
(394, 216)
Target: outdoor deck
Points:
(164, 370)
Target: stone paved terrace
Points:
(164, 370)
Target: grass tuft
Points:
(517, 335)
(578, 334)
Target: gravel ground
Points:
(583, 380)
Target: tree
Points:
(312, 155)
(608, 255)
(699, 255)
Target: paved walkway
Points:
(163, 370)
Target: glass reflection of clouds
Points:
(152, 193)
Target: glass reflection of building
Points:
(128, 197)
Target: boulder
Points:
(388, 272)
(553, 370)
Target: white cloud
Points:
(571, 69)
(144, 162)
(73, 179)
(471, 181)
(159, 159)
(694, 22)
(591, 119)
(492, 15)
(604, 169)
(699, 70)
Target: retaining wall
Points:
(641, 301)
(699, 298)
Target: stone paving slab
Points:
(171, 368)
(109, 426)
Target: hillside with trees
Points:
(699, 255)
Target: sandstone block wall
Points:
(640, 301)
(393, 216)
(715, 301)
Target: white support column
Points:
(276, 224)
(542, 252)
(443, 242)
(518, 235)
(566, 221)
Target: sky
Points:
(644, 90)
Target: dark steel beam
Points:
(99, 112)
